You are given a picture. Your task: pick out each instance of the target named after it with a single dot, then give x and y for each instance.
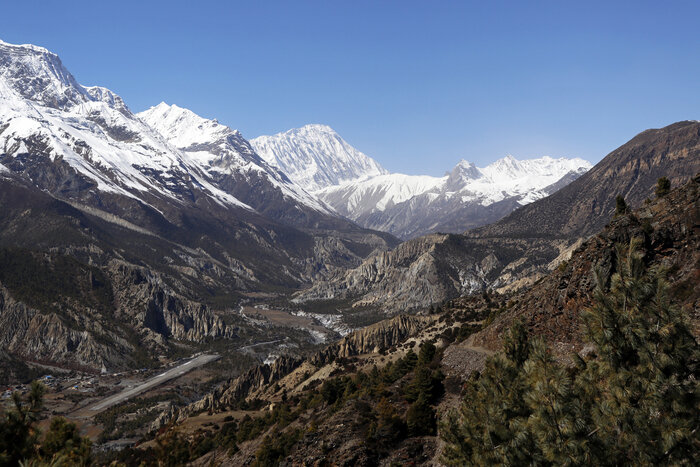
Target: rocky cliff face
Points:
(237, 390)
(428, 270)
(143, 298)
(46, 337)
(369, 340)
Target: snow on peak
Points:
(108, 97)
(510, 168)
(89, 128)
(508, 177)
(216, 147)
(31, 47)
(313, 128)
(38, 75)
(182, 127)
(316, 157)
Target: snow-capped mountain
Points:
(357, 187)
(466, 197)
(168, 172)
(226, 156)
(165, 152)
(174, 215)
(43, 110)
(316, 157)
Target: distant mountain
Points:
(527, 243)
(467, 197)
(357, 187)
(316, 157)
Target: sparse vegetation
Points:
(620, 205)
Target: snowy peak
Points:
(46, 113)
(221, 151)
(410, 205)
(511, 168)
(39, 75)
(461, 174)
(316, 157)
(182, 127)
(98, 93)
(206, 140)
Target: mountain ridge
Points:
(89, 187)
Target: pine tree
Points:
(482, 432)
(420, 418)
(17, 435)
(635, 400)
(620, 205)
(663, 186)
(648, 408)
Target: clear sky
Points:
(416, 85)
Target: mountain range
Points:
(174, 225)
(407, 206)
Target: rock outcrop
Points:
(47, 338)
(237, 390)
(373, 339)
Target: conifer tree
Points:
(420, 417)
(635, 400)
(620, 205)
(663, 186)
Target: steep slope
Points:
(467, 197)
(669, 234)
(524, 245)
(315, 157)
(584, 206)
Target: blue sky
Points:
(416, 85)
